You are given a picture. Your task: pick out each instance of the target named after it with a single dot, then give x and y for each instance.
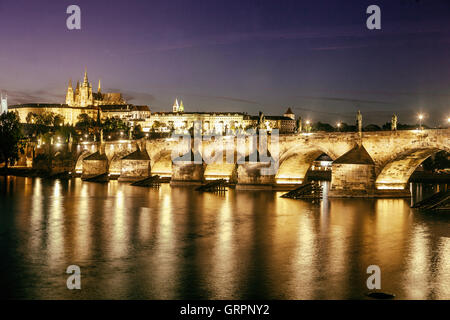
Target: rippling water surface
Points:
(176, 243)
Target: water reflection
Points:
(175, 243)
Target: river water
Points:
(176, 243)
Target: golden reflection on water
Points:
(55, 227)
(82, 210)
(174, 243)
(163, 268)
(417, 264)
(223, 255)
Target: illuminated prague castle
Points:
(82, 100)
(83, 96)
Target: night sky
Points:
(317, 57)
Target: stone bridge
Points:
(376, 164)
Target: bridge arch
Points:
(295, 163)
(161, 163)
(223, 168)
(395, 173)
(79, 163)
(115, 165)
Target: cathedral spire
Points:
(99, 86)
(85, 81)
(176, 106)
(181, 107)
(70, 83)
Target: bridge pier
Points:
(249, 177)
(353, 174)
(135, 166)
(188, 170)
(94, 165)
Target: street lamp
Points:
(308, 127)
(338, 126)
(420, 121)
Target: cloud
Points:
(349, 100)
(36, 96)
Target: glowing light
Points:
(385, 185)
(114, 173)
(420, 116)
(217, 177)
(163, 175)
(289, 180)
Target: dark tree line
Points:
(11, 143)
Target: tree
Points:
(319, 126)
(45, 118)
(84, 122)
(137, 131)
(114, 125)
(156, 125)
(10, 138)
(372, 127)
(31, 118)
(58, 120)
(347, 128)
(441, 160)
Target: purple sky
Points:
(317, 57)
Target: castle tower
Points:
(77, 94)
(4, 103)
(70, 98)
(85, 92)
(85, 80)
(176, 106)
(90, 96)
(289, 114)
(181, 108)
